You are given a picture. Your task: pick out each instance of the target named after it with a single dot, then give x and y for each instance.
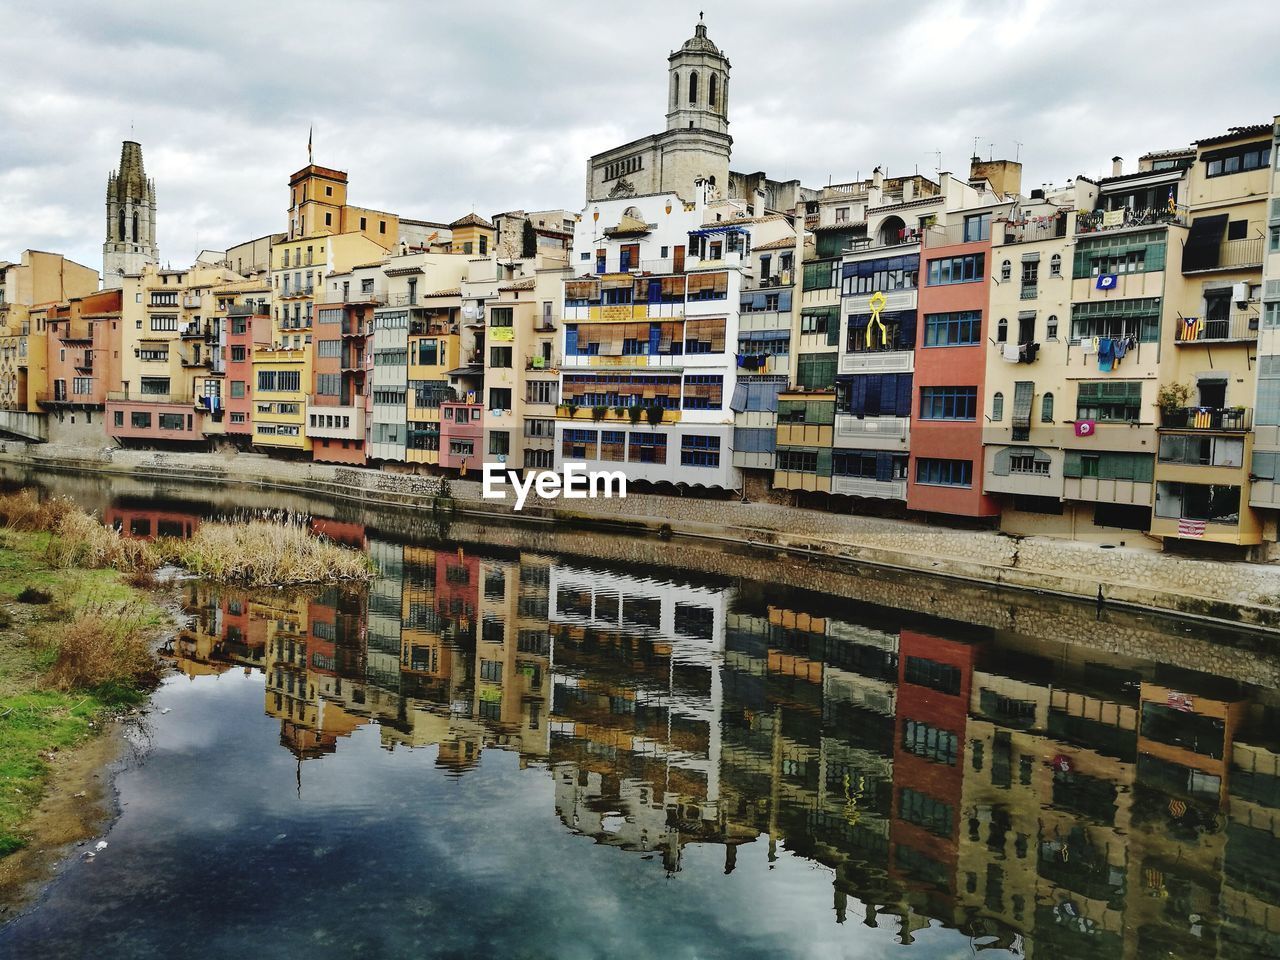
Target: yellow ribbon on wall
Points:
(877, 303)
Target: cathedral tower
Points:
(131, 218)
(699, 85)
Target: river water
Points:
(537, 743)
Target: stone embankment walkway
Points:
(1234, 591)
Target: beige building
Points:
(1264, 494)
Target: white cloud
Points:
(436, 109)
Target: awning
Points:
(1204, 242)
(1023, 393)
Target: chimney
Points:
(1117, 166)
(908, 190)
(877, 179)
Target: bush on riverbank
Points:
(276, 550)
(104, 646)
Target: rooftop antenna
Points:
(975, 146)
(938, 154)
(991, 147)
(1017, 153)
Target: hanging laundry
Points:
(1011, 352)
(1120, 348)
(1106, 354)
(1089, 345)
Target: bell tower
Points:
(131, 218)
(698, 89)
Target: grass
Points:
(278, 550)
(75, 645)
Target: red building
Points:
(934, 680)
(946, 469)
(336, 405)
(83, 351)
(461, 436)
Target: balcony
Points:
(246, 310)
(135, 396)
(1243, 254)
(364, 296)
(195, 359)
(1028, 291)
(195, 331)
(541, 364)
(1238, 327)
(357, 330)
(191, 302)
(866, 487)
(1098, 221)
(1211, 419)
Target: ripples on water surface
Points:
(517, 754)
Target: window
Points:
(1006, 272)
(364, 224)
(700, 451)
(613, 445)
(140, 421)
(501, 317)
(707, 286)
(500, 357)
(165, 323)
(499, 443)
(541, 391)
(1028, 463)
(1138, 467)
(647, 448)
(945, 473)
(1229, 160)
(842, 214)
(1117, 318)
(1055, 265)
(883, 275)
(239, 354)
(965, 269)
(1046, 408)
(1002, 330)
(237, 389)
(929, 673)
(579, 444)
(462, 448)
(499, 398)
(82, 386)
(171, 421)
(270, 381)
(328, 348)
(948, 403)
(924, 811)
(977, 226)
(1110, 401)
(940, 746)
(328, 384)
(1203, 451)
(703, 392)
(821, 275)
(997, 408)
(1214, 503)
(1051, 327)
(953, 329)
(491, 670)
(798, 461)
(154, 386)
(816, 371)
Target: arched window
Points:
(1051, 327)
(1046, 408)
(693, 87)
(135, 226)
(1002, 331)
(711, 91)
(997, 408)
(1055, 265)
(1006, 271)
(120, 226)
(675, 90)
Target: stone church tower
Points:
(696, 145)
(131, 219)
(699, 85)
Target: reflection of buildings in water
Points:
(636, 702)
(147, 523)
(1040, 796)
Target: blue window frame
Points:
(969, 268)
(948, 403)
(960, 329)
(700, 451)
(944, 473)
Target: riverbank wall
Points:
(1221, 591)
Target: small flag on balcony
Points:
(1085, 428)
(1203, 419)
(1190, 528)
(1107, 281)
(1173, 201)
(1190, 329)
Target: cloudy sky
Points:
(439, 109)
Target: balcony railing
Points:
(191, 302)
(1238, 326)
(1222, 420)
(1028, 291)
(1030, 230)
(1097, 221)
(135, 396)
(246, 310)
(1229, 255)
(195, 331)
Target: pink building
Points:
(83, 351)
(248, 325)
(461, 436)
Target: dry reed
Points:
(103, 645)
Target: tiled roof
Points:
(786, 243)
(526, 284)
(847, 225)
(1236, 133)
(472, 220)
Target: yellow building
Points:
(326, 235)
(1213, 287)
(472, 235)
(37, 278)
